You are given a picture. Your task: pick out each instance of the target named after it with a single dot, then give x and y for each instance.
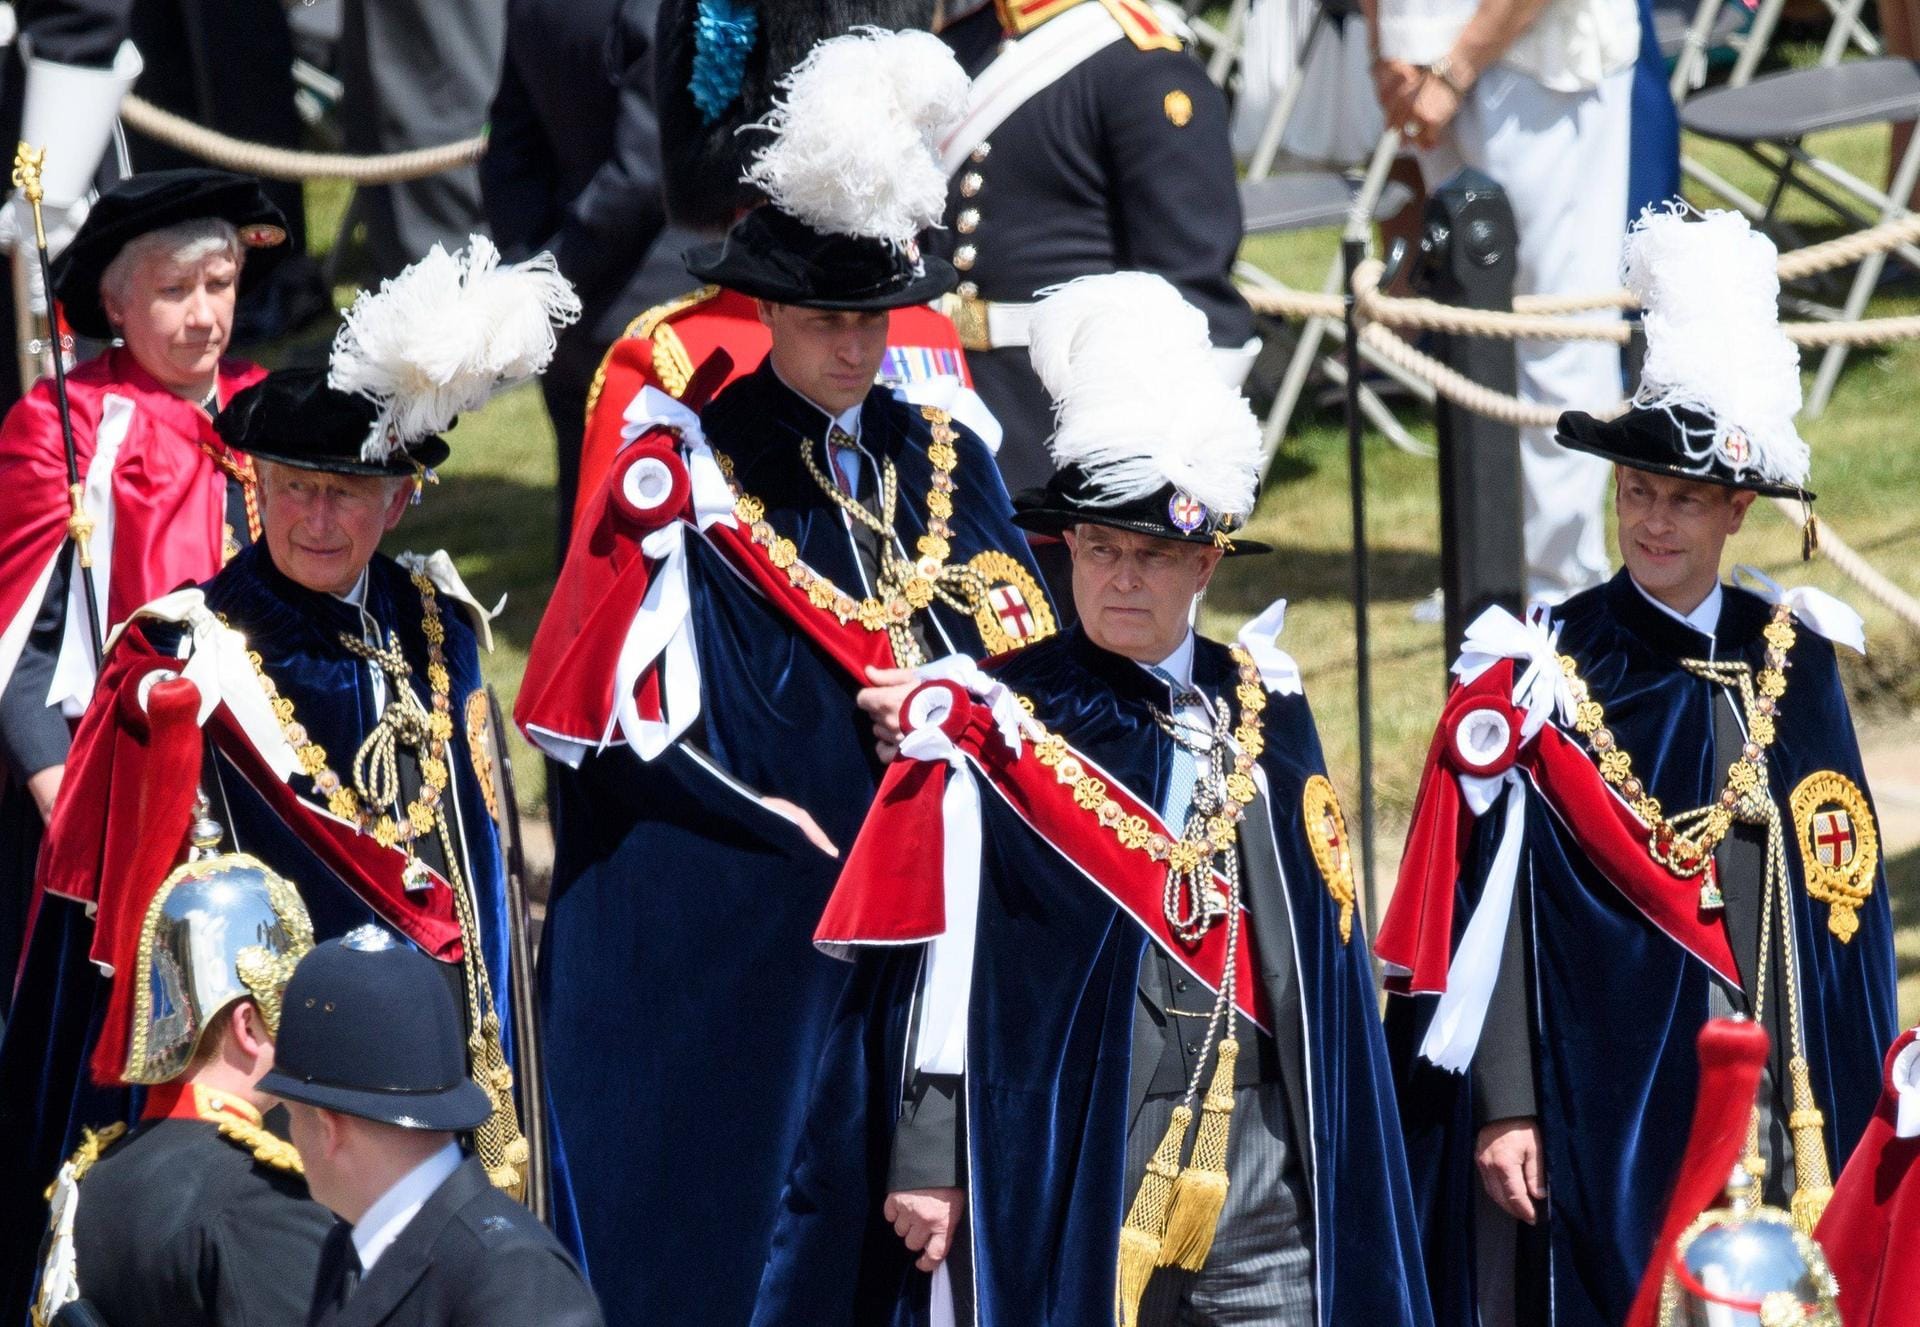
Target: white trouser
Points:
(1562, 159)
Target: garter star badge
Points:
(1327, 836)
(1009, 607)
(1839, 846)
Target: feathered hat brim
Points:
(772, 256)
(1054, 509)
(294, 418)
(1649, 439)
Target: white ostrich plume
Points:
(445, 335)
(853, 138)
(1710, 295)
(1138, 399)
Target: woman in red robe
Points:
(156, 268)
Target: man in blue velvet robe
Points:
(1016, 1076)
(718, 738)
(1664, 821)
(345, 722)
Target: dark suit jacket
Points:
(178, 1226)
(471, 1256)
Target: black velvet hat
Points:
(772, 256)
(1167, 513)
(153, 201)
(293, 417)
(719, 66)
(1669, 440)
(368, 1027)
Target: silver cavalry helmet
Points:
(220, 928)
(1747, 1265)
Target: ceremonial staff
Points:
(26, 178)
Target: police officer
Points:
(372, 1066)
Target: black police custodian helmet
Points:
(293, 417)
(153, 201)
(368, 1027)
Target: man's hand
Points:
(1511, 1167)
(1394, 84)
(926, 1221)
(45, 787)
(807, 825)
(882, 701)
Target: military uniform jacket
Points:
(470, 1256)
(179, 1226)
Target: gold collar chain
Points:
(1192, 854)
(905, 587)
(427, 731)
(1684, 843)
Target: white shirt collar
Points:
(357, 596)
(847, 421)
(1705, 618)
(391, 1212)
(1179, 664)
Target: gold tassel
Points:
(1813, 1181)
(1753, 1163)
(1200, 1193)
(1809, 535)
(1147, 1220)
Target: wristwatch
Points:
(1442, 69)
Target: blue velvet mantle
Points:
(46, 1096)
(1619, 1004)
(684, 1003)
(1048, 1075)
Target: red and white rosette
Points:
(1479, 742)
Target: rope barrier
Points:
(279, 163)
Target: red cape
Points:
(169, 496)
(1871, 1230)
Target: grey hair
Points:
(184, 242)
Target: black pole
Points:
(1352, 251)
(1468, 256)
(26, 177)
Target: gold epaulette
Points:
(268, 1148)
(1142, 26)
(650, 325)
(92, 1143)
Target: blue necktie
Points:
(1186, 769)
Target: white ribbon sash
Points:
(1259, 638)
(1820, 611)
(1021, 69)
(438, 568)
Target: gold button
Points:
(968, 221)
(980, 154)
(1178, 107)
(971, 183)
(963, 257)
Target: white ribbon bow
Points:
(1259, 638)
(1008, 718)
(1541, 689)
(215, 661)
(1822, 612)
(438, 568)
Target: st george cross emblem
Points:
(1833, 838)
(1839, 846)
(1186, 512)
(1010, 607)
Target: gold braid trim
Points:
(642, 328)
(93, 1142)
(268, 1148)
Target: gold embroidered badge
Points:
(479, 719)
(1327, 836)
(1839, 846)
(1009, 607)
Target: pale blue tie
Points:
(1188, 709)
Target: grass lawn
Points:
(493, 512)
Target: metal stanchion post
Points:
(1353, 250)
(1467, 257)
